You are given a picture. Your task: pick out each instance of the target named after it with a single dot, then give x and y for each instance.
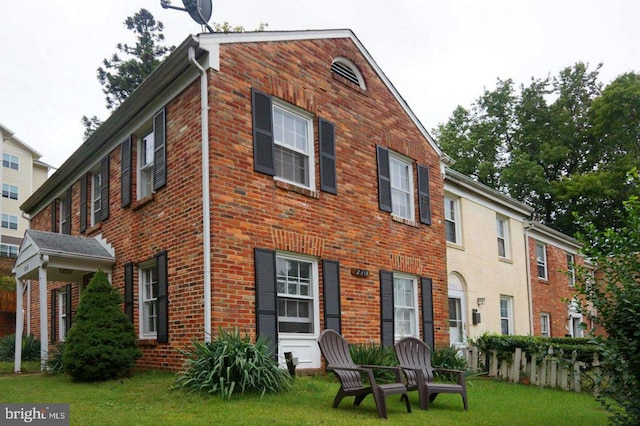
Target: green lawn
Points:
(147, 399)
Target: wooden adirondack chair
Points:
(335, 350)
(415, 360)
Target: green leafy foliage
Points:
(7, 283)
(55, 363)
(231, 363)
(30, 348)
(611, 301)
(560, 144)
(375, 354)
(582, 349)
(101, 344)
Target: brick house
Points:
(314, 202)
(553, 257)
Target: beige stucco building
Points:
(21, 174)
(486, 260)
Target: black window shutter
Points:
(163, 297)
(331, 286)
(83, 203)
(423, 194)
(68, 311)
(327, 137)
(386, 308)
(54, 316)
(128, 290)
(266, 296)
(104, 194)
(427, 311)
(263, 155)
(67, 212)
(125, 173)
(54, 215)
(384, 179)
(160, 150)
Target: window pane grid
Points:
(149, 300)
(401, 188)
(295, 298)
(404, 306)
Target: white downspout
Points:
(44, 323)
(206, 196)
(527, 226)
(17, 361)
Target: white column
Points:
(17, 362)
(44, 318)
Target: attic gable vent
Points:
(347, 69)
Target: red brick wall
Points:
(250, 210)
(551, 295)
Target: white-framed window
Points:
(293, 145)
(9, 191)
(401, 176)
(297, 279)
(506, 315)
(405, 303)
(146, 146)
(545, 322)
(9, 221)
(62, 214)
(502, 232)
(96, 197)
(10, 161)
(571, 269)
(541, 260)
(148, 288)
(62, 315)
(452, 222)
(8, 250)
(575, 320)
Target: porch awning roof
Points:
(66, 257)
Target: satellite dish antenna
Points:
(199, 10)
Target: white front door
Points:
(457, 317)
(298, 309)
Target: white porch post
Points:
(44, 320)
(17, 361)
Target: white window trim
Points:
(302, 114)
(353, 67)
(457, 219)
(62, 316)
(571, 269)
(141, 301)
(140, 167)
(505, 237)
(11, 219)
(315, 291)
(416, 325)
(9, 248)
(394, 156)
(547, 322)
(61, 214)
(10, 190)
(509, 316)
(95, 197)
(10, 159)
(543, 263)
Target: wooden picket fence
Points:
(7, 301)
(547, 370)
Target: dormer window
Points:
(348, 70)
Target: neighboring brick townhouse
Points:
(314, 202)
(553, 257)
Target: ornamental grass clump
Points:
(101, 344)
(30, 348)
(375, 354)
(232, 363)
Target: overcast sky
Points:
(438, 54)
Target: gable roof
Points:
(69, 256)
(171, 69)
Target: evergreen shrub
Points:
(101, 344)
